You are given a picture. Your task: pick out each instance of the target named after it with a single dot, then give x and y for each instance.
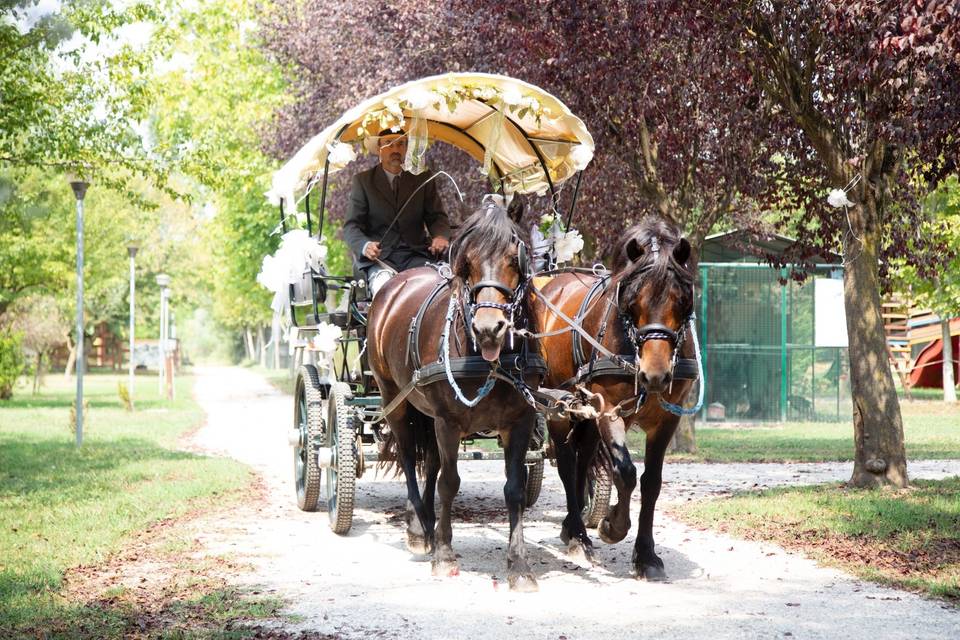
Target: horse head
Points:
(655, 296)
(489, 259)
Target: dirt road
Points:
(367, 585)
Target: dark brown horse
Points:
(640, 312)
(477, 310)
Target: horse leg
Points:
(519, 575)
(448, 442)
(586, 438)
(616, 525)
(431, 470)
(646, 562)
(573, 532)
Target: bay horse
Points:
(640, 312)
(465, 318)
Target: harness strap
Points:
(413, 336)
(598, 288)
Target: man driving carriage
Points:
(396, 219)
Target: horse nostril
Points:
(500, 327)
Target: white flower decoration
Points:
(531, 103)
(340, 154)
(580, 156)
(419, 98)
(326, 339)
(393, 107)
(838, 198)
(485, 93)
(511, 96)
(568, 245)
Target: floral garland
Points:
(566, 243)
(448, 98)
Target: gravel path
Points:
(367, 585)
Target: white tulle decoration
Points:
(298, 251)
(326, 339)
(340, 155)
(568, 245)
(580, 157)
(511, 96)
(838, 198)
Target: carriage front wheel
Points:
(534, 482)
(341, 471)
(597, 496)
(308, 427)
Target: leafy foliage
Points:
(673, 115)
(11, 361)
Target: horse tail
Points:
(423, 439)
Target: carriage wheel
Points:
(342, 473)
(308, 424)
(534, 481)
(597, 496)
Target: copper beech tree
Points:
(674, 117)
(864, 97)
(703, 112)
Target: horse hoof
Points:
(608, 534)
(652, 573)
(564, 534)
(577, 550)
(446, 568)
(523, 583)
(418, 545)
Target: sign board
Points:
(830, 319)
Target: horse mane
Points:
(489, 231)
(662, 266)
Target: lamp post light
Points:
(164, 281)
(132, 252)
(79, 191)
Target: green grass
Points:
(931, 431)
(909, 538)
(61, 506)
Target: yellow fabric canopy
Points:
(527, 128)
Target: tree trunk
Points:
(37, 373)
(261, 347)
(880, 458)
(248, 344)
(949, 384)
(71, 359)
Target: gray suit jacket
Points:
(373, 208)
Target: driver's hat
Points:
(372, 143)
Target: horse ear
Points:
(515, 208)
(633, 250)
(681, 252)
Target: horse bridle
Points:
(514, 295)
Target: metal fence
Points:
(759, 352)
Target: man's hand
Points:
(438, 245)
(371, 250)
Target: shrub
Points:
(11, 361)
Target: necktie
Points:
(396, 190)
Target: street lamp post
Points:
(164, 281)
(79, 191)
(132, 252)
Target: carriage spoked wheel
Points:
(535, 469)
(339, 459)
(308, 428)
(596, 497)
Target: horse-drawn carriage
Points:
(358, 396)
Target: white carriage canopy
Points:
(512, 128)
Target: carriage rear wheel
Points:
(308, 423)
(597, 496)
(341, 475)
(534, 481)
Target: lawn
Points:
(909, 539)
(61, 507)
(931, 431)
